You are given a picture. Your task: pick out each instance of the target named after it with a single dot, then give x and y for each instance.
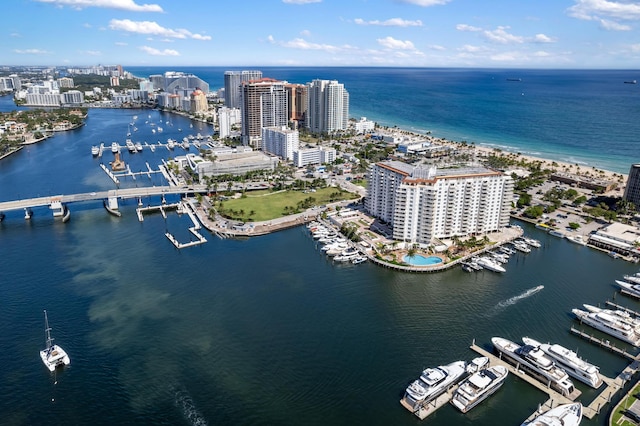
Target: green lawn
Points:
(267, 205)
(616, 418)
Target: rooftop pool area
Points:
(419, 260)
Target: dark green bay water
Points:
(260, 331)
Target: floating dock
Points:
(429, 407)
(181, 207)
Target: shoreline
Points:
(579, 169)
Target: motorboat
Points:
(431, 383)
(610, 324)
(130, 145)
(28, 213)
(506, 250)
(557, 233)
(478, 387)
(95, 150)
(466, 266)
(171, 143)
(632, 289)
(562, 415)
(53, 355)
(490, 264)
(532, 242)
(359, 260)
(537, 364)
(115, 147)
(575, 366)
(632, 279)
(521, 247)
(577, 239)
(619, 313)
(138, 146)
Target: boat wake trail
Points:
(185, 403)
(515, 299)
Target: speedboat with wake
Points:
(431, 383)
(575, 366)
(562, 415)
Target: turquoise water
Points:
(259, 331)
(419, 260)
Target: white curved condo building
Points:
(426, 203)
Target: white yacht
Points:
(130, 145)
(490, 264)
(171, 143)
(431, 383)
(632, 279)
(562, 415)
(138, 146)
(619, 313)
(521, 247)
(633, 289)
(575, 366)
(478, 387)
(557, 233)
(532, 242)
(115, 147)
(577, 239)
(53, 355)
(610, 324)
(95, 150)
(538, 364)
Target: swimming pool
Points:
(419, 260)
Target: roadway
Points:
(101, 195)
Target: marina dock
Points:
(427, 408)
(610, 388)
(180, 207)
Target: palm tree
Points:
(412, 251)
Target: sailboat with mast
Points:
(53, 355)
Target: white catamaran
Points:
(53, 355)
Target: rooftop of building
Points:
(420, 172)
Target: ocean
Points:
(267, 330)
(584, 117)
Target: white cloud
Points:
(635, 48)
(305, 33)
(152, 27)
(468, 48)
(32, 51)
(436, 47)
(15, 35)
(393, 22)
(91, 52)
(302, 44)
(392, 43)
(613, 26)
(425, 3)
(542, 38)
(500, 35)
(595, 9)
(121, 43)
(301, 1)
(129, 5)
(157, 52)
(465, 27)
(86, 25)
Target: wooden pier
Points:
(427, 408)
(605, 343)
(622, 308)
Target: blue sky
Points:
(413, 33)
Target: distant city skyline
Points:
(402, 33)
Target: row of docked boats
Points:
(335, 245)
(630, 285)
(614, 322)
(493, 260)
(477, 381)
(481, 382)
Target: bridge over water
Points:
(111, 195)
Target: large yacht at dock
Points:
(575, 366)
(562, 415)
(537, 363)
(478, 387)
(431, 383)
(610, 324)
